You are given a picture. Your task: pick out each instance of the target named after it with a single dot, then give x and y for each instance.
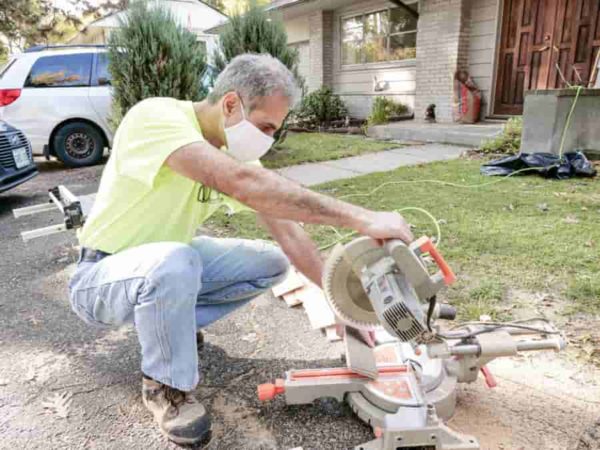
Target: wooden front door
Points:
(544, 44)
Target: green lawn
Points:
(300, 148)
(522, 235)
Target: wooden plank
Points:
(292, 282)
(316, 306)
(292, 298)
(331, 334)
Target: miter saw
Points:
(403, 382)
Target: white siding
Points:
(356, 84)
(297, 29)
(304, 59)
(482, 47)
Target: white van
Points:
(60, 97)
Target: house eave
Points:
(281, 4)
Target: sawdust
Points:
(542, 402)
(238, 417)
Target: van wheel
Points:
(78, 144)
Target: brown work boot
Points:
(180, 417)
(199, 340)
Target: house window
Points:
(387, 35)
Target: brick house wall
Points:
(442, 49)
(451, 35)
(321, 49)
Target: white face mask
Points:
(245, 142)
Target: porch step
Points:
(457, 134)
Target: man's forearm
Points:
(263, 190)
(298, 246)
(271, 194)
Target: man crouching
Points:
(173, 164)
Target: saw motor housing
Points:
(389, 285)
(369, 284)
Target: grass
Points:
(584, 292)
(524, 233)
(485, 298)
(301, 148)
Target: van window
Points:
(61, 71)
(102, 74)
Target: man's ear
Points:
(230, 104)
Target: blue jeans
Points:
(170, 290)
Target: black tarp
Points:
(572, 164)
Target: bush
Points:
(151, 55)
(319, 109)
(509, 141)
(255, 32)
(384, 109)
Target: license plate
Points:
(21, 156)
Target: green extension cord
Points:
(568, 122)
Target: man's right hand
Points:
(386, 225)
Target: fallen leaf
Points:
(33, 321)
(571, 220)
(59, 404)
(583, 208)
(543, 207)
(591, 243)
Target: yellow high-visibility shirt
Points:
(141, 200)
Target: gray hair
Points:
(253, 76)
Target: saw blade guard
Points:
(369, 285)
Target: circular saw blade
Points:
(342, 285)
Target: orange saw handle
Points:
(428, 247)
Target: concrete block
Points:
(545, 116)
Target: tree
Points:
(253, 31)
(151, 55)
(24, 23)
(20, 19)
(218, 4)
(238, 6)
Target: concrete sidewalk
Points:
(449, 133)
(315, 173)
